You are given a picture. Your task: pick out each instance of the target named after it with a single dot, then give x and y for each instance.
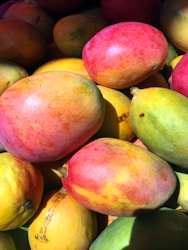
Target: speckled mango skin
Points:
(116, 177)
(46, 116)
(159, 118)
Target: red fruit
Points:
(115, 11)
(46, 116)
(116, 177)
(5, 6)
(179, 76)
(124, 54)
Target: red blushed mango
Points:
(116, 177)
(46, 116)
(124, 54)
(178, 79)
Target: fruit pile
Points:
(93, 125)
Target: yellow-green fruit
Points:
(10, 73)
(21, 191)
(62, 223)
(116, 122)
(173, 19)
(164, 229)
(6, 241)
(159, 118)
(182, 198)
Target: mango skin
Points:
(159, 118)
(173, 19)
(116, 62)
(161, 229)
(116, 121)
(116, 177)
(182, 198)
(45, 116)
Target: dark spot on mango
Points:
(28, 204)
(123, 117)
(141, 115)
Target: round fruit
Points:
(21, 43)
(73, 31)
(116, 122)
(21, 191)
(62, 223)
(6, 241)
(10, 73)
(34, 15)
(50, 115)
(124, 54)
(179, 76)
(173, 19)
(75, 65)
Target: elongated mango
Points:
(159, 118)
(115, 177)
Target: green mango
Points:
(164, 229)
(159, 117)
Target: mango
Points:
(6, 241)
(159, 118)
(116, 177)
(123, 54)
(116, 121)
(10, 73)
(62, 223)
(173, 20)
(164, 229)
(182, 197)
(49, 115)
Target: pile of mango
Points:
(93, 125)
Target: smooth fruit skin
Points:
(34, 15)
(49, 115)
(173, 20)
(62, 223)
(124, 54)
(22, 43)
(116, 122)
(160, 230)
(159, 118)
(179, 77)
(72, 32)
(75, 65)
(21, 191)
(116, 177)
(182, 198)
(10, 73)
(6, 241)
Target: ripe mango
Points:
(49, 115)
(164, 229)
(159, 118)
(116, 177)
(116, 121)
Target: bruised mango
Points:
(116, 177)
(159, 118)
